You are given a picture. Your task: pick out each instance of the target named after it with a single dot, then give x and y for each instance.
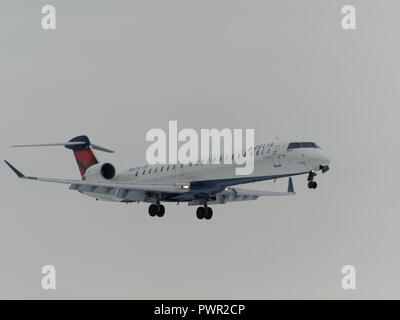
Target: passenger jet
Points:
(199, 184)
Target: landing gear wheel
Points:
(200, 212)
(153, 209)
(161, 210)
(312, 184)
(209, 213)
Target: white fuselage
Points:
(271, 161)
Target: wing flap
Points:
(259, 193)
(238, 194)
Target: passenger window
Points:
(162, 168)
(149, 171)
(167, 168)
(258, 151)
(144, 171)
(136, 173)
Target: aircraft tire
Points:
(200, 212)
(208, 213)
(153, 209)
(160, 210)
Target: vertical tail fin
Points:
(82, 149)
(83, 153)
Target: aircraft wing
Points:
(237, 194)
(139, 191)
(118, 188)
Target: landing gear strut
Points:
(204, 213)
(156, 210)
(311, 183)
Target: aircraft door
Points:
(276, 156)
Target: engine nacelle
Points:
(100, 171)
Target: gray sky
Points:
(114, 70)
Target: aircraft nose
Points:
(325, 161)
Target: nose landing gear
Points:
(311, 183)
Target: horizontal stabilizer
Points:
(74, 145)
(62, 144)
(96, 147)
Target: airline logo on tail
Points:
(84, 155)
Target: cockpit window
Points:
(296, 145)
(308, 145)
(293, 145)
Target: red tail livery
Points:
(83, 153)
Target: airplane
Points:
(199, 184)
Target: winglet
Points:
(290, 186)
(17, 172)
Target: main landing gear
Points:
(204, 213)
(156, 210)
(311, 183)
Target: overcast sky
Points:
(115, 69)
